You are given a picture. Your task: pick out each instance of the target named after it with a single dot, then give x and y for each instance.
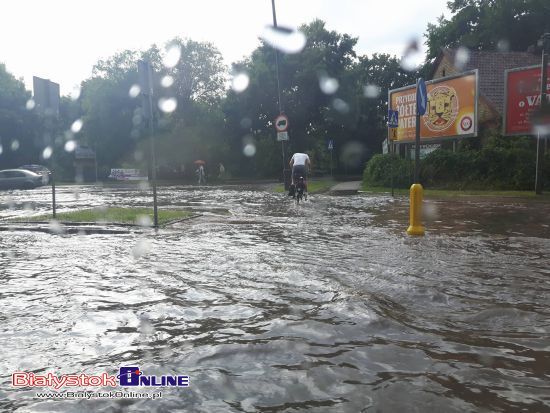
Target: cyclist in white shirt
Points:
(300, 164)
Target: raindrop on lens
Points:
(141, 248)
(144, 185)
(240, 82)
(1, 149)
(138, 156)
(15, 145)
(75, 93)
(168, 105)
(249, 150)
(284, 39)
(134, 91)
(328, 85)
(411, 59)
(340, 105)
(47, 152)
(76, 126)
(462, 57)
(172, 56)
(167, 81)
(137, 119)
(503, 45)
(30, 105)
(246, 123)
(55, 227)
(144, 221)
(70, 146)
(371, 91)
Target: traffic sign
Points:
(330, 145)
(393, 117)
(421, 96)
(282, 136)
(281, 123)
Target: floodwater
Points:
(325, 307)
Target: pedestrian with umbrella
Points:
(200, 171)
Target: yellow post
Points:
(417, 195)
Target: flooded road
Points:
(325, 307)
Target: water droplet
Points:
(372, 91)
(168, 105)
(145, 326)
(134, 91)
(144, 221)
(172, 56)
(503, 45)
(14, 145)
(167, 81)
(138, 156)
(352, 154)
(328, 85)
(1, 149)
(30, 105)
(70, 146)
(47, 152)
(246, 123)
(137, 119)
(249, 150)
(462, 57)
(55, 227)
(28, 207)
(340, 105)
(135, 133)
(144, 185)
(76, 126)
(412, 58)
(75, 93)
(240, 82)
(284, 39)
(141, 248)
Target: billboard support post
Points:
(543, 105)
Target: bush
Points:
(508, 166)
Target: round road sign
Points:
(281, 123)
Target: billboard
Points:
(46, 95)
(521, 98)
(451, 111)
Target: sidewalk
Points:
(345, 188)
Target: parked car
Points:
(40, 170)
(19, 178)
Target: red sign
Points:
(522, 99)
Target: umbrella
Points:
(199, 162)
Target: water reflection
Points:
(323, 307)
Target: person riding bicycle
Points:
(300, 164)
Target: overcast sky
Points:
(62, 39)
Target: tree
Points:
(489, 25)
(19, 126)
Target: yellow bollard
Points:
(417, 195)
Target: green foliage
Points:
(490, 25)
(378, 171)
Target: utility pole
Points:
(279, 101)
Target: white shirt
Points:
(300, 159)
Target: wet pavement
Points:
(325, 307)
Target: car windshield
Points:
(275, 206)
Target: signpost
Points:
(46, 97)
(416, 193)
(393, 122)
(330, 148)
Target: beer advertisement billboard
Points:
(451, 110)
(522, 99)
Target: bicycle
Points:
(301, 190)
